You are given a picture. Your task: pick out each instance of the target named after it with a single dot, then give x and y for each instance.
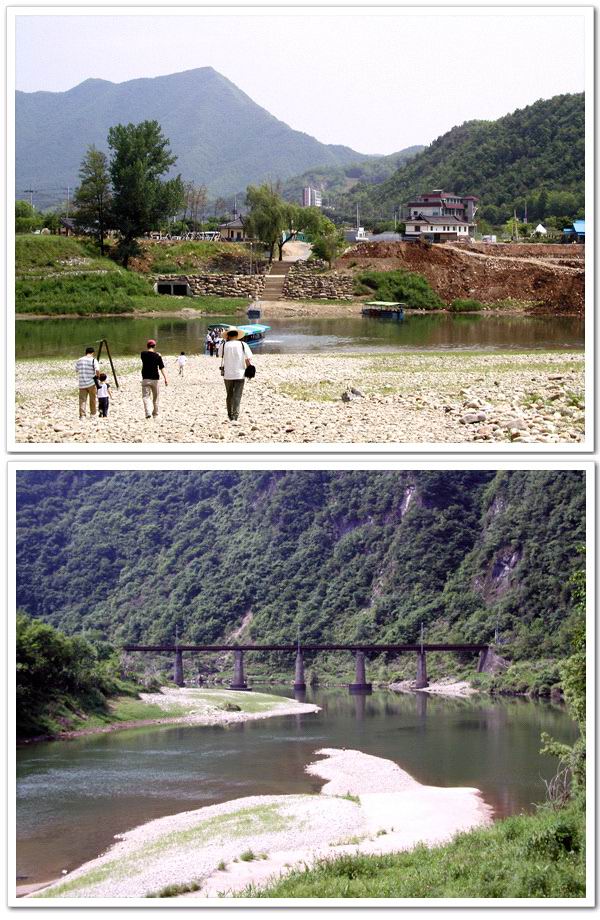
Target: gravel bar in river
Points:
(367, 805)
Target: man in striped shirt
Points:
(87, 367)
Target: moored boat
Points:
(384, 308)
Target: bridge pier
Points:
(421, 681)
(178, 673)
(239, 681)
(299, 682)
(360, 684)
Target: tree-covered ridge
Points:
(506, 163)
(337, 180)
(346, 556)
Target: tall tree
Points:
(93, 196)
(141, 198)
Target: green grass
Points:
(530, 856)
(49, 253)
(164, 258)
(171, 891)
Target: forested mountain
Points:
(348, 556)
(335, 181)
(506, 163)
(220, 136)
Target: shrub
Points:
(408, 287)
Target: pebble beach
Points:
(396, 398)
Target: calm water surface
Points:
(72, 797)
(126, 336)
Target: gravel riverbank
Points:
(396, 398)
(367, 805)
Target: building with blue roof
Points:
(575, 233)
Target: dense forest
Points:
(327, 555)
(534, 156)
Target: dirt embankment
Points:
(546, 284)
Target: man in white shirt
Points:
(87, 367)
(235, 358)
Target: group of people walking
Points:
(236, 366)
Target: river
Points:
(74, 796)
(306, 334)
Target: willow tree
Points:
(274, 221)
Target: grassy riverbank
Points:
(528, 856)
(61, 276)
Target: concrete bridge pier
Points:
(482, 664)
(239, 681)
(178, 673)
(421, 681)
(360, 685)
(299, 682)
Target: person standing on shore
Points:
(104, 395)
(235, 358)
(87, 367)
(152, 363)
(181, 361)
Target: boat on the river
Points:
(253, 332)
(384, 308)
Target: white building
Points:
(311, 197)
(437, 229)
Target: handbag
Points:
(250, 372)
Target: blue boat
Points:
(253, 332)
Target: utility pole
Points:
(68, 198)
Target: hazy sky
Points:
(377, 83)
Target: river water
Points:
(305, 334)
(74, 796)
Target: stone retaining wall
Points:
(218, 285)
(305, 281)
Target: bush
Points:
(408, 287)
(466, 306)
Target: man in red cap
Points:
(152, 363)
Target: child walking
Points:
(103, 395)
(181, 362)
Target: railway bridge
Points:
(360, 652)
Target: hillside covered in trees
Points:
(329, 555)
(335, 181)
(535, 151)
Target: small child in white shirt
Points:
(102, 388)
(181, 362)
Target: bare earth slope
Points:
(550, 282)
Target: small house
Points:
(233, 231)
(575, 233)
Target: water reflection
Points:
(67, 337)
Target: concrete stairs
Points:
(274, 281)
